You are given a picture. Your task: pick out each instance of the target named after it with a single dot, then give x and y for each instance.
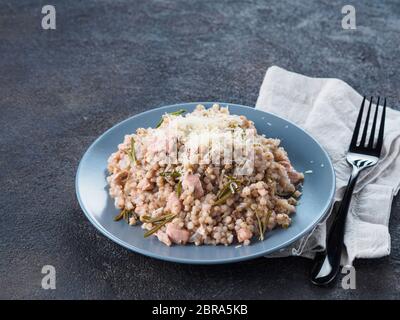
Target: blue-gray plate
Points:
(304, 152)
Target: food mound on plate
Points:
(166, 178)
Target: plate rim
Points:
(147, 253)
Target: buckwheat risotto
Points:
(188, 181)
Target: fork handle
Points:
(326, 264)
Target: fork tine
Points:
(353, 142)
(364, 134)
(372, 136)
(379, 143)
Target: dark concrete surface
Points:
(108, 60)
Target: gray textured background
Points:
(109, 60)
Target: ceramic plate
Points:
(304, 152)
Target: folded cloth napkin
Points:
(327, 109)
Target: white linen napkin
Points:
(327, 109)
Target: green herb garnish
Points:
(128, 214)
(163, 220)
(148, 219)
(124, 214)
(179, 189)
(175, 113)
(132, 152)
(172, 174)
(260, 227)
(285, 195)
(119, 216)
(263, 223)
(228, 190)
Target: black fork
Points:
(361, 155)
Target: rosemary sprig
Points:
(225, 188)
(158, 226)
(223, 199)
(127, 215)
(119, 216)
(260, 228)
(173, 174)
(124, 214)
(148, 219)
(263, 224)
(132, 152)
(285, 195)
(179, 189)
(175, 113)
(160, 123)
(223, 191)
(228, 190)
